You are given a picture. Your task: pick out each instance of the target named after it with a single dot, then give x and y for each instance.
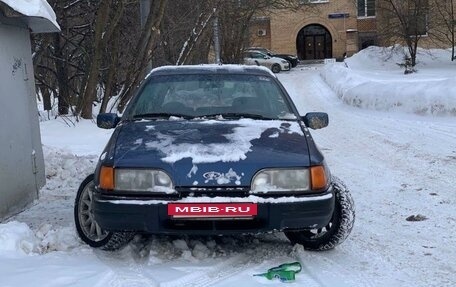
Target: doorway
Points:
(314, 42)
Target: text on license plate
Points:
(212, 209)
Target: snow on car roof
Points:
(33, 8)
(211, 68)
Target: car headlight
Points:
(143, 180)
(290, 180)
(284, 61)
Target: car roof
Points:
(257, 48)
(211, 69)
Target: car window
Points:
(258, 55)
(205, 95)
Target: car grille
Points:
(234, 191)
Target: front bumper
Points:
(151, 216)
(285, 67)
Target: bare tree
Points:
(235, 17)
(404, 21)
(144, 50)
(102, 50)
(445, 28)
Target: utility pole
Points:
(216, 37)
(145, 10)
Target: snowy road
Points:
(396, 165)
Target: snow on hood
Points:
(33, 8)
(236, 147)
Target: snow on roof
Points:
(34, 8)
(213, 68)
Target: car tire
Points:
(276, 68)
(337, 229)
(87, 228)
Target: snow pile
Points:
(16, 237)
(33, 8)
(52, 229)
(64, 167)
(374, 81)
(52, 239)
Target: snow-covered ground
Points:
(374, 80)
(396, 164)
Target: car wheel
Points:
(338, 228)
(87, 228)
(276, 68)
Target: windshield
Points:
(229, 96)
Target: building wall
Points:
(349, 35)
(286, 24)
(21, 156)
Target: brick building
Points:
(322, 29)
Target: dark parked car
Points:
(212, 150)
(292, 59)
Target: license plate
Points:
(212, 210)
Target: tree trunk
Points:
(111, 80)
(143, 50)
(90, 90)
(62, 77)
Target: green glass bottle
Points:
(284, 272)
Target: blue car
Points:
(212, 150)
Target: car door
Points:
(248, 59)
(261, 59)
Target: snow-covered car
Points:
(292, 59)
(212, 150)
(261, 59)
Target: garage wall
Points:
(21, 156)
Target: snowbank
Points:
(33, 8)
(16, 237)
(373, 80)
(50, 228)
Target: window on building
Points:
(366, 8)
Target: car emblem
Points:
(212, 175)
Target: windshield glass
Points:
(192, 96)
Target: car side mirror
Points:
(267, 57)
(107, 120)
(316, 121)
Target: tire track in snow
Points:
(392, 162)
(210, 277)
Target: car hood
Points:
(211, 152)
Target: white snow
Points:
(239, 142)
(214, 67)
(220, 199)
(395, 162)
(373, 80)
(33, 8)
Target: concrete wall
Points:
(21, 156)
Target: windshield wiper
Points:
(237, 116)
(161, 116)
